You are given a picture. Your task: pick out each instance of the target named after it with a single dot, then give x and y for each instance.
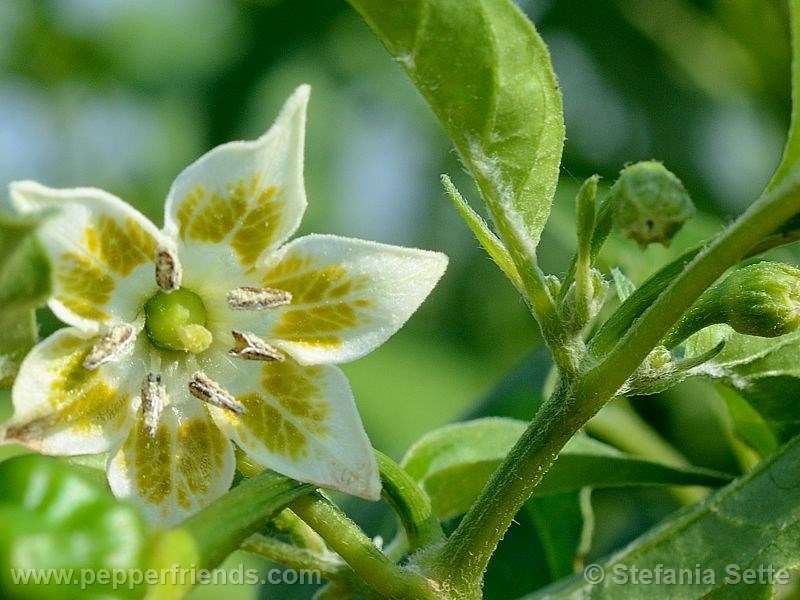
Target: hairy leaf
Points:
(490, 242)
(763, 371)
(487, 75)
(752, 523)
(546, 543)
(791, 153)
(453, 464)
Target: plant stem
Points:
(358, 551)
(222, 526)
(296, 558)
(411, 504)
(299, 532)
(328, 567)
(763, 217)
(463, 559)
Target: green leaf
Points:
(546, 543)
(753, 522)
(748, 425)
(487, 76)
(452, 464)
(490, 242)
(624, 286)
(564, 523)
(53, 517)
(763, 371)
(222, 526)
(24, 285)
(791, 152)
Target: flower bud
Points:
(761, 299)
(649, 203)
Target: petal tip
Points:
(296, 105)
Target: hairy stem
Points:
(463, 559)
(358, 551)
(222, 526)
(762, 218)
(461, 562)
(297, 558)
(412, 505)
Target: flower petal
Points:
(303, 423)
(183, 467)
(348, 296)
(101, 249)
(62, 408)
(242, 199)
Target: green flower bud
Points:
(649, 203)
(761, 299)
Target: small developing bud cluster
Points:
(649, 203)
(762, 299)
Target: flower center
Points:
(176, 321)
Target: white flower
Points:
(210, 331)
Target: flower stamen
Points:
(202, 387)
(111, 347)
(153, 396)
(168, 270)
(250, 347)
(255, 298)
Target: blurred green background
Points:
(122, 94)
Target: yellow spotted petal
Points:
(172, 474)
(60, 407)
(241, 199)
(101, 250)
(348, 296)
(302, 422)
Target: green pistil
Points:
(176, 321)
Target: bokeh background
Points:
(122, 94)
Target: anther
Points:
(206, 389)
(168, 270)
(152, 401)
(251, 347)
(111, 347)
(255, 298)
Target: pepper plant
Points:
(198, 370)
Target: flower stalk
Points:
(410, 503)
(221, 527)
(358, 551)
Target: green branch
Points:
(412, 505)
(463, 559)
(358, 551)
(221, 527)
